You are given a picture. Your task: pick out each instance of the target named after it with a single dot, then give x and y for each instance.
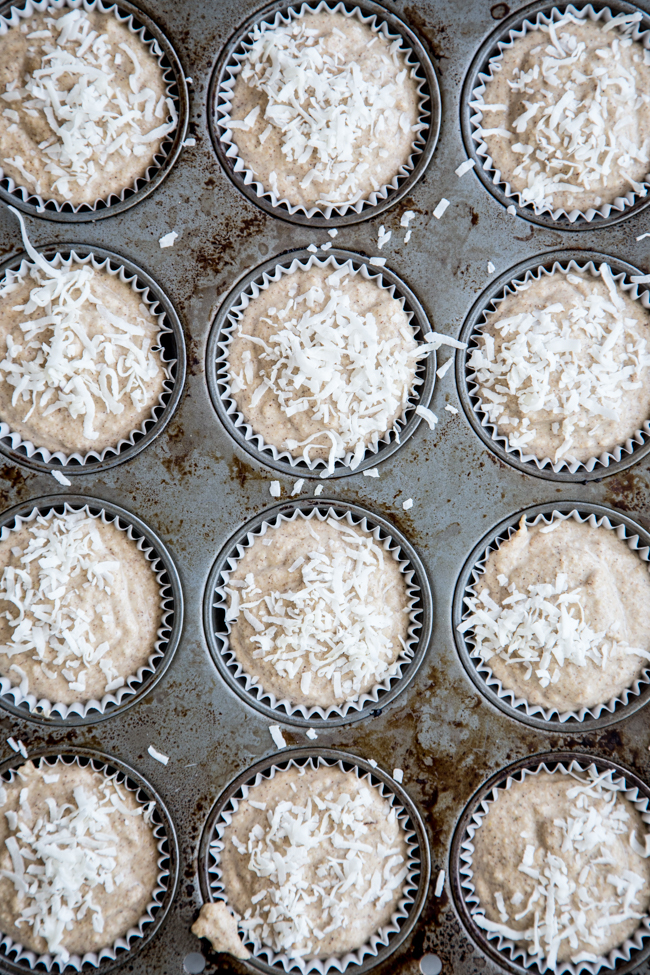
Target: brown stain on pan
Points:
(437, 36)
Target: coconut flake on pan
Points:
(87, 108)
(562, 113)
(560, 366)
(323, 110)
(555, 869)
(82, 366)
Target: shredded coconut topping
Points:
(576, 362)
(578, 127)
(326, 358)
(319, 854)
(58, 365)
(63, 856)
(329, 113)
(64, 554)
(540, 630)
(92, 122)
(562, 905)
(328, 624)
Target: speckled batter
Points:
(60, 430)
(627, 117)
(20, 57)
(126, 614)
(529, 814)
(258, 319)
(615, 588)
(383, 153)
(593, 434)
(136, 856)
(378, 828)
(269, 559)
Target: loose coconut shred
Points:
(566, 113)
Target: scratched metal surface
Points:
(194, 487)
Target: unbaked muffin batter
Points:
(555, 858)
(325, 110)
(562, 366)
(96, 845)
(322, 363)
(315, 861)
(80, 608)
(81, 365)
(566, 115)
(85, 105)
(319, 611)
(561, 617)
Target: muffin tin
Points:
(195, 487)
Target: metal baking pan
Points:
(195, 487)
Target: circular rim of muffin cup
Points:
(224, 325)
(384, 942)
(20, 451)
(609, 462)
(517, 25)
(404, 668)
(510, 958)
(159, 46)
(19, 960)
(136, 685)
(547, 719)
(223, 80)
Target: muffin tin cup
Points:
(508, 957)
(371, 702)
(474, 88)
(558, 262)
(170, 340)
(535, 715)
(18, 960)
(415, 889)
(222, 332)
(137, 685)
(219, 102)
(142, 26)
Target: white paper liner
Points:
(35, 6)
(58, 458)
(536, 710)
(224, 104)
(378, 940)
(133, 682)
(615, 455)
(252, 684)
(606, 210)
(512, 951)
(229, 332)
(28, 959)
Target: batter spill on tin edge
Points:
(321, 362)
(558, 616)
(81, 610)
(323, 112)
(78, 861)
(82, 366)
(319, 612)
(556, 866)
(314, 863)
(563, 114)
(87, 105)
(561, 367)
